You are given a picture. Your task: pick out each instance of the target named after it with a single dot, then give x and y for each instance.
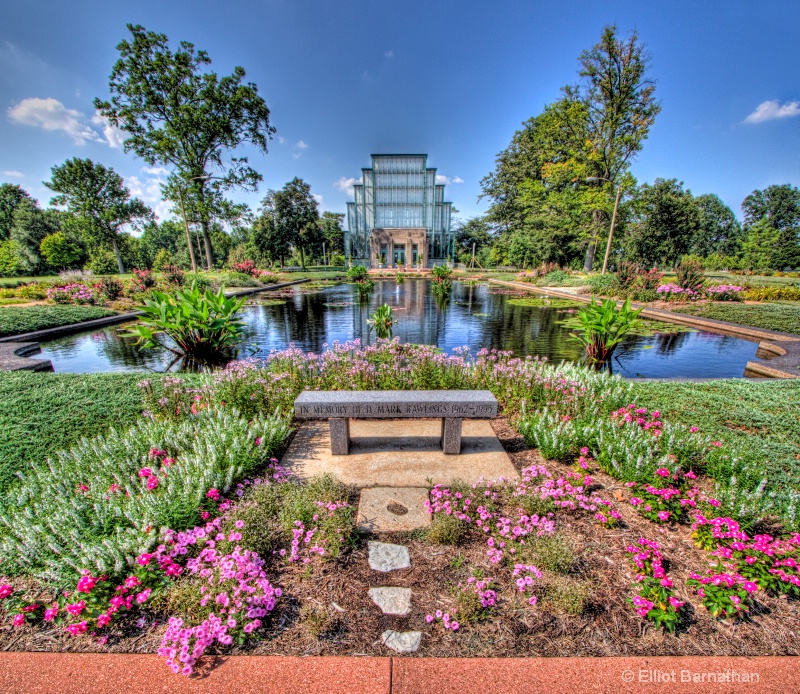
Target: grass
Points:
(15, 320)
(44, 413)
(773, 316)
(759, 418)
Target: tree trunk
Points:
(209, 249)
(302, 258)
(119, 257)
(597, 220)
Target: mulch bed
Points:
(326, 610)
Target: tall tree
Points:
(178, 114)
(331, 225)
(474, 233)
(29, 227)
(621, 108)
(719, 230)
(98, 199)
(295, 216)
(666, 220)
(10, 197)
(778, 206)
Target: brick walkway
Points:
(89, 673)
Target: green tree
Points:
(666, 219)
(759, 246)
(29, 227)
(295, 218)
(476, 232)
(61, 251)
(10, 197)
(621, 109)
(332, 232)
(163, 236)
(719, 231)
(98, 198)
(10, 258)
(779, 206)
(177, 113)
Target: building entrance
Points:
(399, 256)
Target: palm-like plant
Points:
(204, 326)
(603, 327)
(382, 321)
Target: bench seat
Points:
(339, 406)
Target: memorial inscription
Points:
(341, 406)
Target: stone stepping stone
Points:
(393, 509)
(384, 556)
(402, 641)
(392, 600)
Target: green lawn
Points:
(758, 417)
(783, 316)
(23, 319)
(41, 413)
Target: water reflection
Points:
(474, 315)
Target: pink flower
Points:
(5, 591)
(19, 620)
(213, 494)
(144, 559)
(76, 608)
(142, 597)
(75, 629)
(663, 515)
(50, 614)
(103, 620)
(152, 482)
(145, 472)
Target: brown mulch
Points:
(325, 609)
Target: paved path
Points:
(88, 673)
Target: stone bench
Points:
(340, 406)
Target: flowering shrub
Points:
(268, 277)
(669, 498)
(674, 292)
(142, 280)
(246, 267)
(96, 506)
(111, 288)
(724, 595)
(655, 599)
(174, 275)
(724, 292)
(72, 294)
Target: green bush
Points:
(103, 262)
(603, 327)
(782, 292)
(606, 285)
(204, 326)
(239, 279)
(357, 273)
(15, 320)
(91, 507)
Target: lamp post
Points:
(595, 179)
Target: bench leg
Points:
(451, 435)
(340, 435)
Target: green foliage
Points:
(441, 272)
(295, 218)
(162, 259)
(60, 251)
(773, 293)
(382, 321)
(446, 529)
(11, 260)
(203, 325)
(44, 413)
(364, 288)
(178, 113)
(603, 284)
(759, 246)
(111, 288)
(603, 327)
(11, 195)
(98, 200)
(357, 273)
(66, 516)
(783, 317)
(15, 320)
(690, 274)
(102, 262)
(719, 232)
(564, 595)
(549, 553)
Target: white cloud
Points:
(772, 110)
(114, 136)
(445, 180)
(13, 174)
(346, 184)
(51, 114)
(318, 198)
(155, 170)
(301, 145)
(148, 189)
(388, 54)
(281, 139)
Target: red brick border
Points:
(94, 673)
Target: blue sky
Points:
(453, 79)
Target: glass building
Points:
(399, 217)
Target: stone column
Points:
(340, 435)
(451, 435)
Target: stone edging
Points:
(13, 355)
(785, 356)
(96, 673)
